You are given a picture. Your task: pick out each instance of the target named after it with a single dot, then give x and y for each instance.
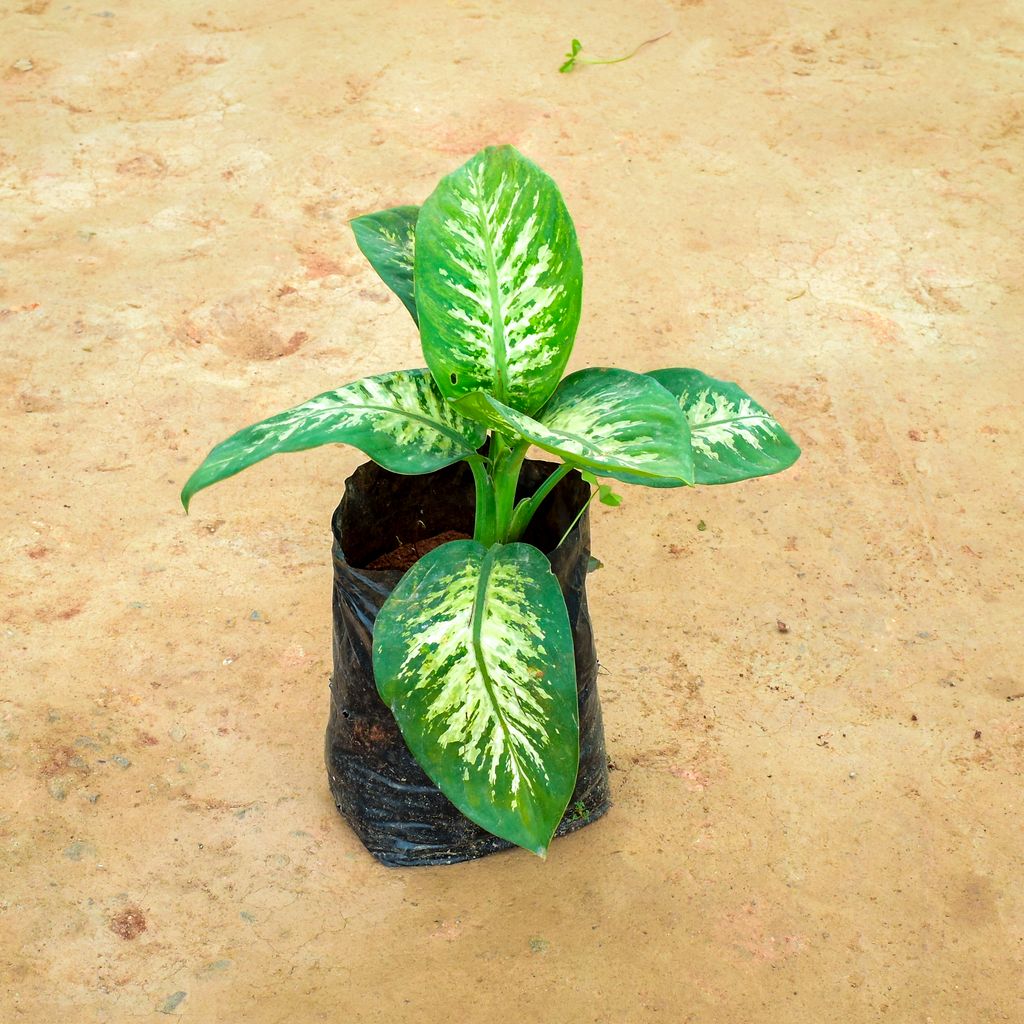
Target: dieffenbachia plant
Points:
(473, 651)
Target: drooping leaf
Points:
(388, 240)
(499, 280)
(399, 419)
(474, 655)
(611, 422)
(733, 437)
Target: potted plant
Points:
(482, 658)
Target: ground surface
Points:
(814, 821)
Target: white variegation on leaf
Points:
(399, 419)
(611, 422)
(499, 280)
(733, 437)
(474, 655)
(388, 240)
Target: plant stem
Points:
(506, 477)
(527, 508)
(619, 60)
(484, 524)
(496, 448)
(579, 516)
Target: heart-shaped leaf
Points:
(474, 655)
(733, 437)
(399, 419)
(611, 422)
(388, 240)
(499, 280)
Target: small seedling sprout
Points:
(572, 58)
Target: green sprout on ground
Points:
(579, 811)
(572, 58)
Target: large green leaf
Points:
(611, 422)
(399, 419)
(474, 655)
(499, 280)
(733, 437)
(388, 240)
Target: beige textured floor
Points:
(821, 201)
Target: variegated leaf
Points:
(474, 655)
(499, 280)
(733, 437)
(388, 240)
(399, 419)
(611, 422)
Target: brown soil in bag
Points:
(407, 555)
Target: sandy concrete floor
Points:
(821, 201)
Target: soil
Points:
(406, 556)
(817, 200)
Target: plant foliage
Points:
(472, 650)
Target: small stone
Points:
(77, 850)
(177, 733)
(130, 923)
(172, 1002)
(57, 789)
(121, 761)
(23, 65)
(539, 945)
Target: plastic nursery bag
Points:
(401, 817)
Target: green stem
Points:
(527, 508)
(579, 516)
(619, 60)
(506, 478)
(497, 447)
(484, 525)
